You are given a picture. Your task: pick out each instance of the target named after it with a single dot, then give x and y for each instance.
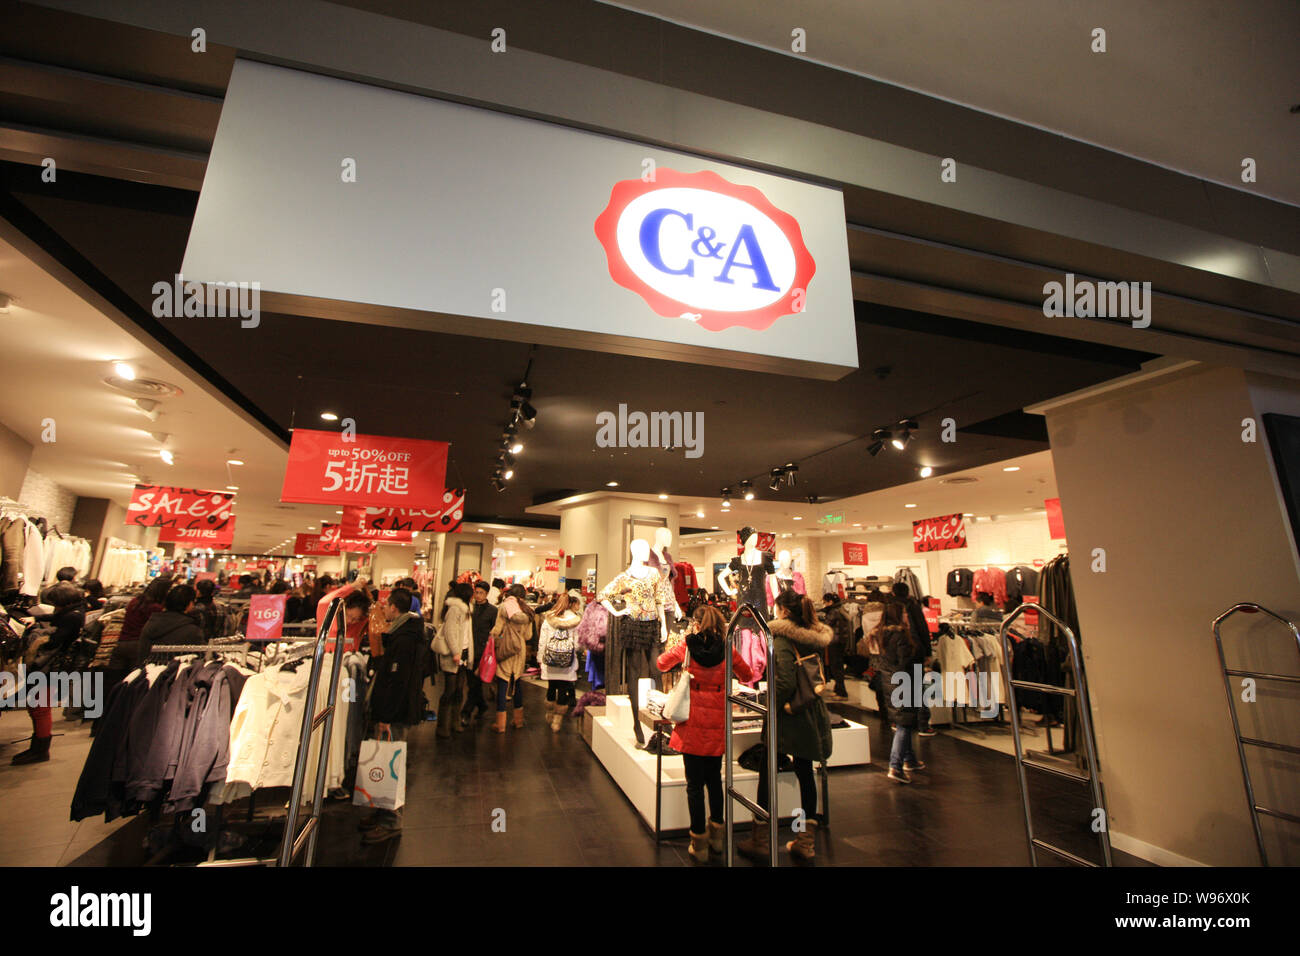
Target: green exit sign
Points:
(831, 519)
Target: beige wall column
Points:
(599, 526)
(1153, 472)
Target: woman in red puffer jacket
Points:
(700, 738)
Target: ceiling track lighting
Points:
(775, 477)
(747, 490)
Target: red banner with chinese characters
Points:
(939, 534)
(854, 553)
(311, 544)
(265, 616)
(218, 537)
(326, 468)
(162, 506)
(766, 542)
(331, 537)
(552, 564)
(1055, 519)
(360, 521)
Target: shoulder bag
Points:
(809, 683)
(677, 707)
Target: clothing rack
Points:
(981, 727)
(768, 711)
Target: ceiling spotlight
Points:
(506, 458)
(726, 497)
(700, 513)
(791, 473)
(900, 441)
(508, 474)
(233, 461)
(747, 490)
(166, 456)
(498, 484)
(798, 518)
(124, 371)
(874, 448)
(774, 479)
(329, 416)
(509, 431)
(232, 487)
(611, 484)
(909, 506)
(516, 448)
(1011, 468)
(663, 497)
(927, 471)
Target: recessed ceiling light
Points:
(1011, 468)
(338, 512)
(699, 514)
(713, 527)
(857, 524)
(233, 461)
(232, 487)
(663, 497)
(927, 471)
(124, 371)
(909, 506)
(968, 514)
(611, 484)
(798, 517)
(329, 416)
(165, 455)
(541, 536)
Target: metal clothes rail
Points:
(295, 842)
(1080, 694)
(770, 816)
(1242, 742)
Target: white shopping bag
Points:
(381, 775)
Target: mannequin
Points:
(647, 596)
(784, 579)
(745, 580)
(663, 561)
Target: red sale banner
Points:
(1055, 519)
(310, 544)
(206, 576)
(218, 537)
(265, 616)
(162, 506)
(931, 618)
(766, 541)
(368, 522)
(939, 534)
(331, 536)
(326, 468)
(552, 564)
(854, 553)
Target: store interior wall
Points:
(48, 497)
(15, 456)
(447, 562)
(1190, 520)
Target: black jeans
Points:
(637, 663)
(503, 693)
(803, 771)
(703, 773)
(474, 699)
(561, 692)
(835, 665)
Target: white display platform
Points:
(614, 744)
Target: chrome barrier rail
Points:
(770, 817)
(1242, 742)
(1080, 694)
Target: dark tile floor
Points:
(534, 798)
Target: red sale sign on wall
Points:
(219, 537)
(162, 506)
(939, 534)
(389, 524)
(265, 616)
(326, 468)
(854, 553)
(1055, 520)
(552, 564)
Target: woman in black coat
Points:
(904, 662)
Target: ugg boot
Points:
(758, 846)
(699, 848)
(717, 831)
(557, 721)
(500, 725)
(519, 717)
(804, 845)
(37, 753)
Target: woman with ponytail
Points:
(806, 736)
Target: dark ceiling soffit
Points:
(313, 307)
(36, 230)
(1016, 424)
(105, 158)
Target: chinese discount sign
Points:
(552, 564)
(219, 537)
(161, 506)
(390, 524)
(939, 534)
(265, 616)
(327, 469)
(854, 553)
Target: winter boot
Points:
(557, 721)
(757, 846)
(519, 717)
(500, 725)
(37, 753)
(716, 833)
(804, 845)
(699, 848)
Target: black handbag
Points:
(809, 682)
(755, 758)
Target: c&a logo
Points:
(697, 247)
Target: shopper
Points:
(511, 633)
(395, 695)
(985, 612)
(454, 645)
(213, 615)
(95, 599)
(836, 616)
(904, 660)
(138, 612)
(806, 736)
(700, 736)
(557, 654)
(409, 584)
(65, 620)
(175, 624)
(483, 615)
(914, 617)
(498, 589)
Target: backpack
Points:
(561, 648)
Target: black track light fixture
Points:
(774, 478)
(747, 490)
(726, 497)
(791, 473)
(498, 484)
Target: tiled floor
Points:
(553, 805)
